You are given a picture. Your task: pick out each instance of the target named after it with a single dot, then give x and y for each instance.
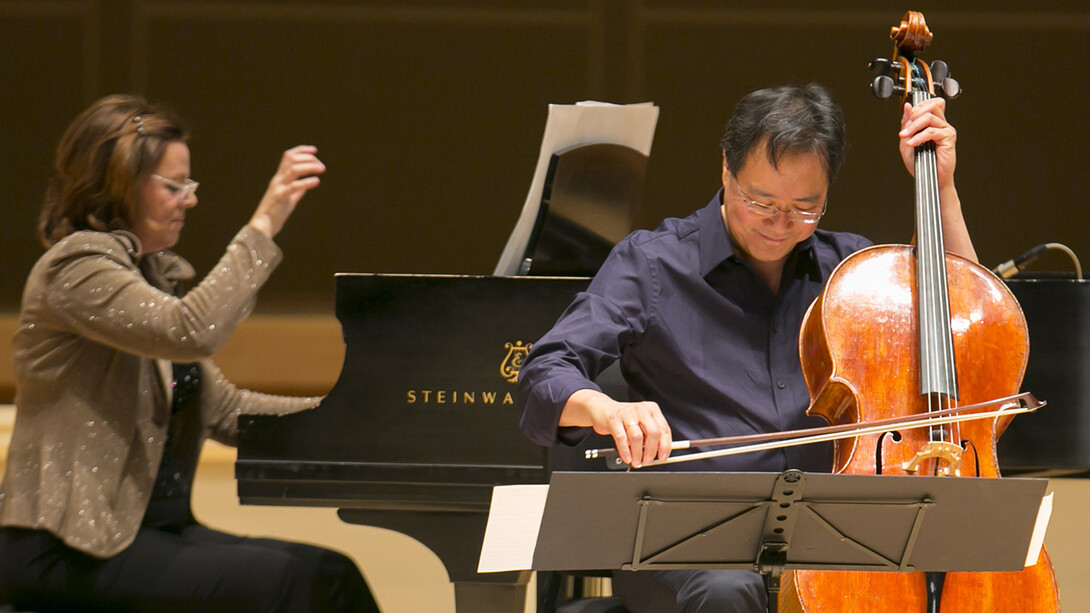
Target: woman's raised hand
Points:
(297, 174)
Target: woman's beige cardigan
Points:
(98, 322)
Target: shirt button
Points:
(780, 384)
(775, 329)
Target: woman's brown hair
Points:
(103, 157)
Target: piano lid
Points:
(1056, 439)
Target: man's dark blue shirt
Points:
(698, 332)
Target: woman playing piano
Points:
(115, 391)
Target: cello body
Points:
(859, 348)
(907, 330)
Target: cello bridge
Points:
(947, 454)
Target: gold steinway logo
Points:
(509, 370)
(516, 353)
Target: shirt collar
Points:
(716, 245)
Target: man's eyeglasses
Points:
(179, 189)
(768, 210)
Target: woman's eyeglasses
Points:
(179, 189)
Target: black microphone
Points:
(1011, 267)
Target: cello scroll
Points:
(910, 38)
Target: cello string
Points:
(924, 273)
(942, 294)
(941, 362)
(937, 358)
(947, 328)
(944, 372)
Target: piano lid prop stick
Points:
(1026, 403)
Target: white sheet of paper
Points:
(514, 520)
(1038, 539)
(569, 125)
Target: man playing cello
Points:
(704, 315)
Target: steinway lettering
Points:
(457, 397)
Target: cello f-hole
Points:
(878, 450)
(966, 444)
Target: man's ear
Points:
(726, 170)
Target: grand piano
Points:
(423, 420)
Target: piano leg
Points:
(455, 537)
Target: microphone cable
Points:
(1017, 264)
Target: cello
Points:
(903, 330)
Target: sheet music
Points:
(1038, 539)
(514, 520)
(569, 125)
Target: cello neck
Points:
(937, 368)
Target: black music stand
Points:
(771, 522)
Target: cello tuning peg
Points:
(883, 87)
(950, 88)
(939, 71)
(883, 66)
(880, 65)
